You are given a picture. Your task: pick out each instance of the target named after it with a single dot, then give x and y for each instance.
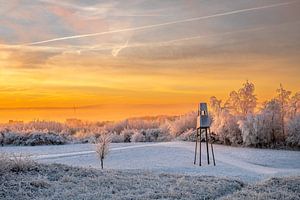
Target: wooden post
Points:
(212, 149)
(200, 147)
(207, 152)
(196, 147)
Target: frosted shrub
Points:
(293, 137)
(189, 135)
(142, 124)
(116, 138)
(154, 135)
(116, 127)
(138, 137)
(226, 128)
(32, 139)
(183, 123)
(127, 134)
(15, 163)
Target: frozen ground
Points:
(245, 164)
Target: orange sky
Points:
(133, 58)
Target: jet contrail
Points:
(161, 24)
(116, 51)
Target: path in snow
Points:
(173, 157)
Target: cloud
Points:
(16, 56)
(117, 50)
(161, 24)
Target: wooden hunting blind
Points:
(203, 126)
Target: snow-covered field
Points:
(245, 164)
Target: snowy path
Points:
(173, 157)
(78, 153)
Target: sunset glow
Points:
(98, 60)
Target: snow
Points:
(246, 164)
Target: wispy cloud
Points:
(162, 24)
(117, 50)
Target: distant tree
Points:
(294, 106)
(102, 147)
(1, 138)
(215, 105)
(272, 117)
(293, 136)
(242, 102)
(224, 124)
(283, 97)
(263, 128)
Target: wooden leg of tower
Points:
(199, 147)
(212, 149)
(196, 147)
(207, 152)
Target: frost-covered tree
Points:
(102, 147)
(263, 128)
(272, 117)
(242, 102)
(283, 97)
(2, 138)
(294, 106)
(224, 124)
(293, 136)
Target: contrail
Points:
(161, 24)
(116, 51)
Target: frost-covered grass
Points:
(57, 181)
(287, 188)
(245, 164)
(147, 171)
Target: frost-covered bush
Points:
(189, 135)
(32, 139)
(116, 138)
(293, 137)
(15, 163)
(116, 127)
(138, 137)
(183, 123)
(139, 124)
(127, 134)
(229, 132)
(155, 135)
(226, 128)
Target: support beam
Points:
(199, 147)
(196, 147)
(207, 152)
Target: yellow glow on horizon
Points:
(123, 91)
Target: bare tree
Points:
(102, 147)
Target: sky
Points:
(109, 60)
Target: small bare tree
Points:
(102, 147)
